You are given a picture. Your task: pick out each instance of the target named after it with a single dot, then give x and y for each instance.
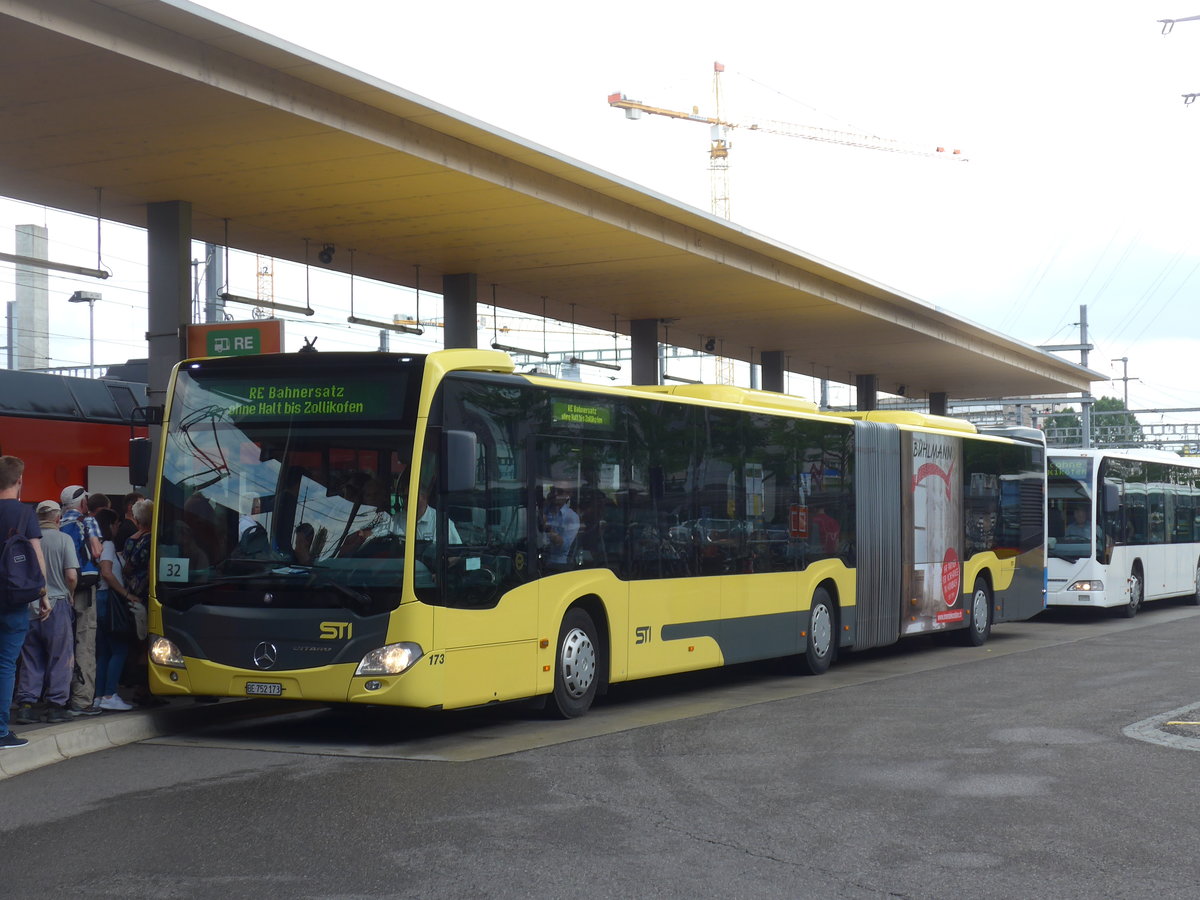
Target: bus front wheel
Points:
(819, 643)
(1196, 592)
(575, 666)
(1136, 589)
(980, 627)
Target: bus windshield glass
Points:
(1069, 511)
(293, 484)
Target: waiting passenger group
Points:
(64, 655)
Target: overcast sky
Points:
(1079, 187)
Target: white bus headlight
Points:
(1087, 586)
(390, 660)
(165, 653)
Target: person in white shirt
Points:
(427, 521)
(1080, 528)
(561, 524)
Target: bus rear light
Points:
(1087, 586)
(165, 653)
(392, 659)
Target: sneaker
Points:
(10, 742)
(115, 704)
(93, 710)
(57, 714)
(26, 715)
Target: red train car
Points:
(68, 430)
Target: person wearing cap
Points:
(14, 621)
(83, 689)
(48, 654)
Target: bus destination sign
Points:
(338, 397)
(573, 412)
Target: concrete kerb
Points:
(50, 744)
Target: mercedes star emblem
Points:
(265, 655)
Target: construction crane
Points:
(719, 143)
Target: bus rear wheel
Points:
(1136, 593)
(1196, 592)
(575, 666)
(980, 627)
(819, 643)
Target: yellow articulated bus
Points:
(440, 532)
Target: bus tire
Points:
(576, 666)
(1196, 591)
(980, 627)
(1136, 594)
(820, 644)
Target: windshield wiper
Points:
(361, 600)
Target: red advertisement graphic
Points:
(936, 471)
(951, 582)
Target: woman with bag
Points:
(137, 580)
(114, 621)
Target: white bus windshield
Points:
(1070, 510)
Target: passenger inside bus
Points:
(560, 524)
(302, 544)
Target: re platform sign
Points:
(235, 338)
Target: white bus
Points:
(1123, 527)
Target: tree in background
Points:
(1112, 426)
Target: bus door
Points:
(1160, 567)
(578, 525)
(933, 534)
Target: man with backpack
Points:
(19, 531)
(85, 532)
(48, 655)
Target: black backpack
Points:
(21, 578)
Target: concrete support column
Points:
(169, 295)
(459, 296)
(773, 376)
(168, 299)
(939, 403)
(643, 336)
(868, 387)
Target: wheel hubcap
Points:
(578, 662)
(979, 611)
(821, 629)
(1135, 592)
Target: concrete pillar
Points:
(643, 337)
(169, 297)
(459, 296)
(868, 387)
(773, 375)
(939, 403)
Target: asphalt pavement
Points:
(52, 743)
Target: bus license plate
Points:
(263, 689)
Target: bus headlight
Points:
(165, 653)
(390, 660)
(1087, 586)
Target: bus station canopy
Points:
(142, 101)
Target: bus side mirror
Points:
(459, 455)
(1112, 498)
(139, 461)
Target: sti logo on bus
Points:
(643, 634)
(336, 631)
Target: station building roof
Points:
(162, 100)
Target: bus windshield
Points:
(287, 484)
(1070, 510)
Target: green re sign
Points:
(233, 342)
